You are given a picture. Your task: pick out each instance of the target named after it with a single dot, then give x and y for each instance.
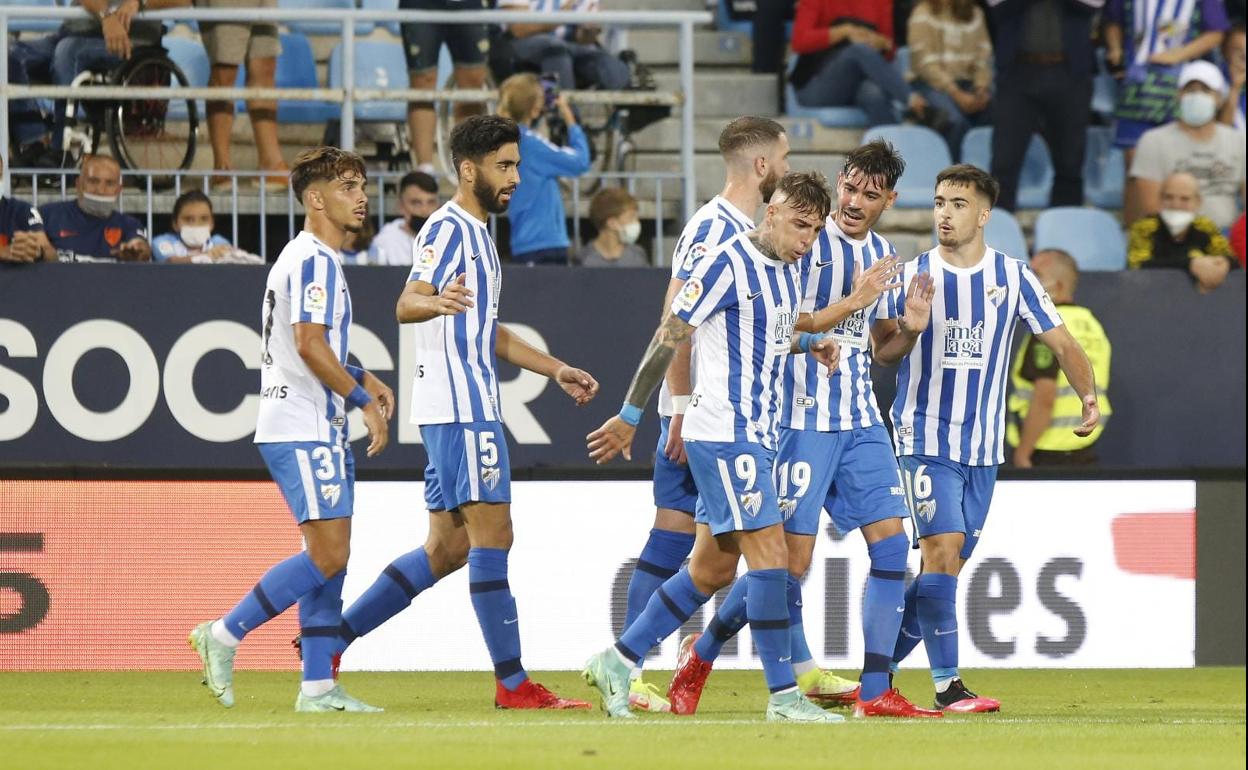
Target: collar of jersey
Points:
(983, 262)
(837, 232)
(736, 212)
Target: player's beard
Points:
(768, 186)
(489, 197)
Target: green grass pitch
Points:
(1050, 719)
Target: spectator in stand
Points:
(1237, 239)
(468, 45)
(418, 199)
(1044, 62)
(614, 214)
(573, 53)
(1146, 44)
(1179, 238)
(843, 48)
(21, 231)
(193, 239)
(1196, 143)
(539, 229)
(229, 44)
(1232, 113)
(1044, 408)
(949, 60)
(90, 228)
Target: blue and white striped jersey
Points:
(717, 222)
(305, 285)
(951, 388)
(456, 370)
(812, 400)
(744, 306)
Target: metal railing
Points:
(349, 94)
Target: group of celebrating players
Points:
(763, 358)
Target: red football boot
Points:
(892, 704)
(959, 700)
(531, 695)
(689, 678)
(334, 662)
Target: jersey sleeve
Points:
(164, 246)
(1035, 306)
(437, 255)
(28, 219)
(1039, 363)
(313, 290)
(131, 229)
(692, 248)
(709, 289)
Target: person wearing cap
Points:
(1195, 142)
(1179, 238)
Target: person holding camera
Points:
(539, 229)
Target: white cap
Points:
(1203, 72)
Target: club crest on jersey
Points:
(996, 295)
(490, 477)
(926, 510)
(752, 502)
(788, 506)
(314, 298)
(689, 295)
(964, 345)
(330, 493)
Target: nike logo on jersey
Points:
(475, 257)
(823, 264)
(786, 659)
(754, 296)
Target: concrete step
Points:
(804, 135)
(718, 93)
(710, 169)
(661, 47)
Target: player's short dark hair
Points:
(323, 164)
(748, 131)
(187, 198)
(806, 191)
(877, 159)
(418, 179)
(966, 175)
(481, 135)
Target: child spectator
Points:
(193, 239)
(614, 214)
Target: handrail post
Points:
(686, 119)
(346, 121)
(4, 97)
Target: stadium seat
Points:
(1003, 233)
(323, 27)
(1093, 237)
(926, 155)
(1036, 180)
(901, 60)
(725, 22)
(1104, 169)
(829, 117)
(192, 59)
(378, 64)
(296, 68)
(29, 24)
(383, 5)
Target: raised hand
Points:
(613, 438)
(577, 383)
(869, 284)
(917, 312)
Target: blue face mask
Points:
(1197, 109)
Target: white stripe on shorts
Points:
(726, 478)
(309, 487)
(470, 451)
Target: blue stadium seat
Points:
(1093, 237)
(296, 68)
(377, 65)
(323, 27)
(29, 24)
(192, 59)
(1036, 180)
(1003, 233)
(725, 22)
(830, 117)
(383, 5)
(926, 156)
(901, 60)
(1104, 169)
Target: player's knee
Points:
(709, 578)
(446, 555)
(799, 563)
(330, 561)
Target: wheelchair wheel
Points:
(153, 134)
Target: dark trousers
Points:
(768, 34)
(1048, 99)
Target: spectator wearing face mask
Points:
(90, 228)
(418, 199)
(1179, 238)
(614, 215)
(1211, 152)
(193, 239)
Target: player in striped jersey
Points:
(306, 388)
(949, 416)
(744, 300)
(755, 152)
(453, 295)
(834, 452)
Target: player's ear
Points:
(467, 172)
(890, 199)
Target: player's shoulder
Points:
(14, 208)
(303, 248)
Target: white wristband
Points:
(679, 404)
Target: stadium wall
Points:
(153, 366)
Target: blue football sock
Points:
(725, 623)
(390, 594)
(797, 630)
(769, 625)
(496, 613)
(672, 604)
(910, 633)
(882, 610)
(936, 599)
(280, 587)
(320, 615)
(664, 553)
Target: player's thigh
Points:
(736, 488)
(806, 461)
(315, 478)
(868, 486)
(801, 549)
(471, 463)
(675, 492)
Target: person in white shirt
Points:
(418, 199)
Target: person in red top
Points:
(843, 48)
(1237, 239)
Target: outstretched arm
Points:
(576, 383)
(868, 285)
(420, 301)
(1078, 369)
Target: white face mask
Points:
(99, 206)
(630, 232)
(195, 236)
(1197, 109)
(1177, 221)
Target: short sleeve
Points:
(709, 289)
(313, 290)
(690, 250)
(1039, 363)
(164, 247)
(437, 254)
(131, 229)
(1035, 306)
(30, 219)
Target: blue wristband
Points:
(806, 339)
(358, 397)
(355, 371)
(631, 414)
